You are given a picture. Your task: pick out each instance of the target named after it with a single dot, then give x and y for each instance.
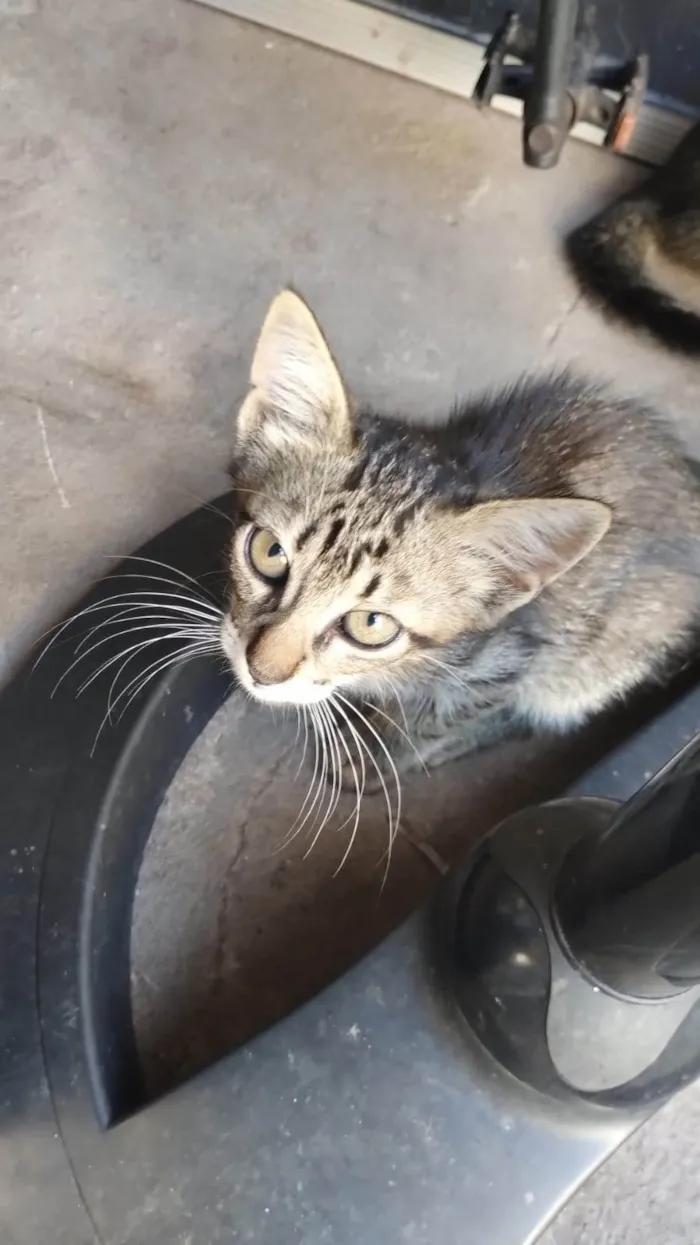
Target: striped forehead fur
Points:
(543, 540)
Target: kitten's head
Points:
(349, 569)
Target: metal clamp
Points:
(559, 82)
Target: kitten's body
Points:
(520, 605)
(641, 256)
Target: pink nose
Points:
(264, 677)
(275, 653)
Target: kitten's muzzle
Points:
(269, 669)
(268, 663)
(260, 676)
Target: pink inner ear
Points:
(301, 394)
(525, 583)
(538, 540)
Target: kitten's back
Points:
(629, 612)
(563, 435)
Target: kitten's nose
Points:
(262, 671)
(263, 678)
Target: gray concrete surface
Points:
(163, 169)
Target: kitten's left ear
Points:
(297, 394)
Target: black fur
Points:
(608, 254)
(605, 275)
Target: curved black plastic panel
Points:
(370, 1114)
(112, 788)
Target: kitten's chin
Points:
(291, 693)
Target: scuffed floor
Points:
(163, 170)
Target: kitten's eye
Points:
(266, 555)
(369, 628)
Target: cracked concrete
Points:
(163, 170)
(554, 330)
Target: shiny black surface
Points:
(537, 1009)
(627, 902)
(372, 1114)
(547, 115)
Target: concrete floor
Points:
(163, 170)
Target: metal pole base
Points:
(526, 999)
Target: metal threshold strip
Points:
(425, 54)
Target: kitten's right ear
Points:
(531, 542)
(297, 396)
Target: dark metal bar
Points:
(629, 906)
(548, 108)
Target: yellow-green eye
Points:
(369, 628)
(266, 555)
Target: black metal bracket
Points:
(559, 81)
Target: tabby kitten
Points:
(526, 564)
(641, 256)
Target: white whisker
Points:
(180, 657)
(131, 652)
(450, 670)
(337, 757)
(363, 747)
(208, 505)
(394, 820)
(316, 788)
(298, 823)
(136, 613)
(165, 566)
(150, 600)
(322, 781)
(187, 596)
(172, 631)
(133, 613)
(184, 654)
(203, 608)
(397, 698)
(306, 741)
(396, 726)
(359, 790)
(256, 492)
(334, 779)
